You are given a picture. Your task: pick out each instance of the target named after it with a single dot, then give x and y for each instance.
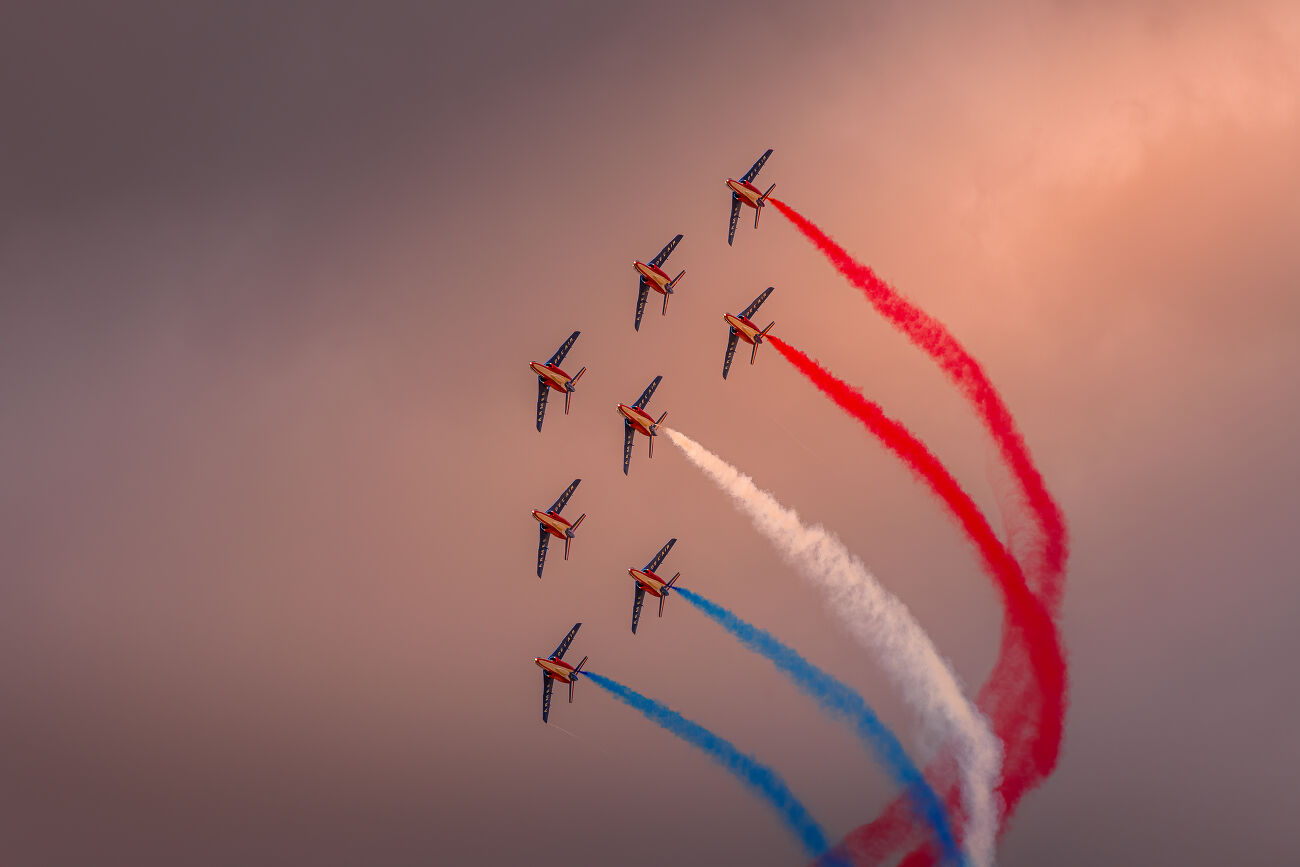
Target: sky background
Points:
(270, 279)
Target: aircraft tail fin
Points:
(573, 678)
(664, 595)
(570, 386)
(654, 431)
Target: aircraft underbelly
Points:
(555, 671)
(554, 527)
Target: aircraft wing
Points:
(543, 540)
(757, 166)
(559, 504)
(542, 390)
(658, 560)
(735, 215)
(749, 311)
(564, 349)
(731, 352)
(647, 394)
(564, 645)
(642, 292)
(628, 433)
(665, 252)
(547, 685)
(636, 606)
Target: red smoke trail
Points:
(930, 335)
(1025, 695)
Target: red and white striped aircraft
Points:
(743, 191)
(553, 525)
(555, 668)
(743, 329)
(549, 376)
(648, 582)
(635, 419)
(653, 277)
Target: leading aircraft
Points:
(555, 668)
(550, 376)
(743, 329)
(653, 277)
(743, 191)
(553, 525)
(635, 418)
(647, 580)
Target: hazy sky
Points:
(270, 279)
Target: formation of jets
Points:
(637, 419)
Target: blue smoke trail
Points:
(842, 700)
(749, 770)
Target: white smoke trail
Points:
(883, 625)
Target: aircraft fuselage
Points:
(746, 330)
(554, 524)
(552, 375)
(748, 193)
(652, 583)
(638, 418)
(557, 669)
(654, 277)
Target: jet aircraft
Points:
(555, 668)
(635, 419)
(743, 329)
(647, 580)
(653, 277)
(551, 524)
(550, 376)
(744, 192)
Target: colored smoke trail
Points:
(757, 776)
(931, 336)
(883, 625)
(840, 699)
(1028, 716)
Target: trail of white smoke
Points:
(883, 625)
